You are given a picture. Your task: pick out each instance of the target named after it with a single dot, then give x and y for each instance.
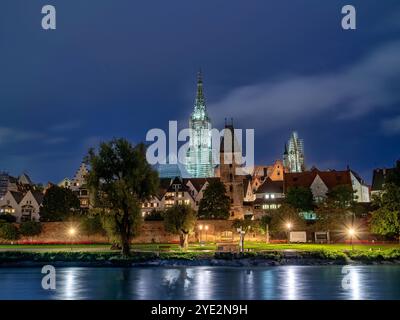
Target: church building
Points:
(293, 157)
(199, 162)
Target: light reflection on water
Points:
(200, 283)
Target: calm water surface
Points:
(267, 283)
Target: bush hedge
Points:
(30, 228)
(8, 231)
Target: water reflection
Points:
(351, 282)
(290, 283)
(199, 283)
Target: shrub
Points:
(375, 255)
(30, 228)
(325, 254)
(7, 218)
(8, 231)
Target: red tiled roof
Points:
(331, 178)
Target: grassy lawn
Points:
(254, 246)
(264, 246)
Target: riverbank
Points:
(172, 259)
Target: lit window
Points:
(272, 196)
(267, 196)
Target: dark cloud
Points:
(349, 92)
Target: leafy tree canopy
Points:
(386, 219)
(58, 204)
(300, 198)
(341, 196)
(284, 215)
(215, 203)
(120, 178)
(181, 220)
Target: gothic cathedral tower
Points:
(199, 155)
(293, 157)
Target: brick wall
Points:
(151, 231)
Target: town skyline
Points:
(339, 95)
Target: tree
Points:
(330, 218)
(300, 198)
(58, 204)
(215, 203)
(341, 196)
(180, 219)
(264, 224)
(385, 222)
(120, 179)
(284, 215)
(386, 219)
(8, 231)
(30, 228)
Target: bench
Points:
(227, 247)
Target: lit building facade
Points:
(293, 157)
(199, 162)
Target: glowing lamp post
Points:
(351, 233)
(71, 234)
(289, 227)
(200, 228)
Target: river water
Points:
(206, 283)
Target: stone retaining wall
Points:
(151, 231)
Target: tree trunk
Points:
(126, 249)
(267, 234)
(124, 229)
(183, 237)
(242, 242)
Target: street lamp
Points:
(289, 227)
(351, 233)
(71, 233)
(241, 241)
(200, 228)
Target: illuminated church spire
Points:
(293, 157)
(200, 111)
(199, 155)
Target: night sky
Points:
(119, 68)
